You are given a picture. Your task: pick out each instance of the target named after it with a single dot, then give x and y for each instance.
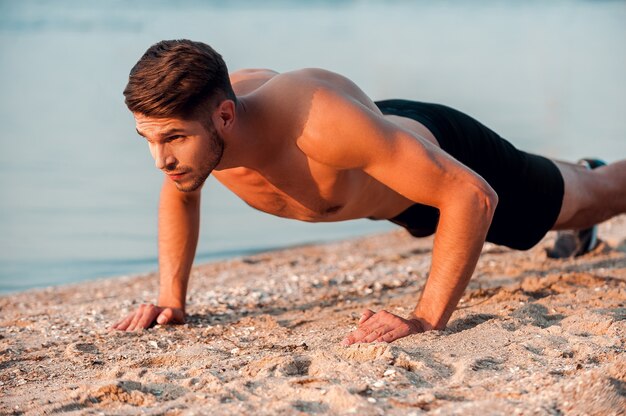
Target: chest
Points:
(293, 186)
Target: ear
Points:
(224, 115)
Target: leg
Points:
(591, 196)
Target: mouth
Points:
(176, 176)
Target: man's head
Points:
(176, 86)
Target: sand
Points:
(532, 335)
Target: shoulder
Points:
(343, 127)
(298, 82)
(322, 80)
(292, 95)
(302, 79)
(270, 84)
(333, 96)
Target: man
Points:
(310, 145)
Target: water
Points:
(78, 191)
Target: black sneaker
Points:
(574, 243)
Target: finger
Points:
(376, 333)
(349, 340)
(123, 324)
(360, 332)
(357, 336)
(354, 337)
(394, 334)
(117, 323)
(365, 315)
(165, 316)
(136, 318)
(377, 320)
(178, 316)
(149, 315)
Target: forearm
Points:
(179, 221)
(461, 233)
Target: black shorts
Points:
(529, 187)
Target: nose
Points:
(163, 159)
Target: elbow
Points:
(484, 200)
(490, 199)
(487, 201)
(474, 202)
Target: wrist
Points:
(428, 319)
(420, 322)
(171, 302)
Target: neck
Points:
(238, 140)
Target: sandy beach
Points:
(532, 335)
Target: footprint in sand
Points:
(84, 353)
(123, 392)
(536, 315)
(487, 363)
(272, 366)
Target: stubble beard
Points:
(213, 158)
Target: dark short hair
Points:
(177, 78)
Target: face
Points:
(184, 150)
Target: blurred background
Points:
(79, 191)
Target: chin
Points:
(191, 185)
(187, 187)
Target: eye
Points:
(175, 137)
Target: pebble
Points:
(389, 372)
(379, 384)
(427, 398)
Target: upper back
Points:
(302, 81)
(284, 100)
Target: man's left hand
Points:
(382, 326)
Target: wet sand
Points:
(532, 335)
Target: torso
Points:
(286, 182)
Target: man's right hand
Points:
(148, 314)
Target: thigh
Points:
(574, 195)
